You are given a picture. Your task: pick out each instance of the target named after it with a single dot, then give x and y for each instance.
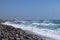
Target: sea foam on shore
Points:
(45, 33)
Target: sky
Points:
(30, 9)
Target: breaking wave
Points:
(45, 28)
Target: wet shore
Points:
(11, 33)
(8, 32)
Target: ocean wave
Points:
(44, 24)
(55, 34)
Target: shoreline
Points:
(39, 37)
(43, 37)
(28, 34)
(12, 33)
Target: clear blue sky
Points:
(30, 9)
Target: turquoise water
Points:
(51, 24)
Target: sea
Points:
(47, 28)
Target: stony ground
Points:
(11, 33)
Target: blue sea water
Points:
(52, 24)
(48, 28)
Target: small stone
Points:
(17, 35)
(17, 38)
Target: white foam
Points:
(44, 32)
(44, 24)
